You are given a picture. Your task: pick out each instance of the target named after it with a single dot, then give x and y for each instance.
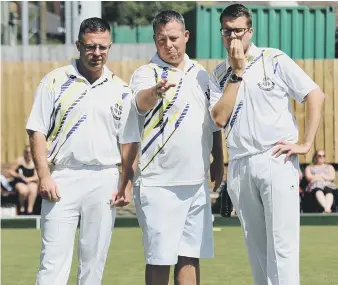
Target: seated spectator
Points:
(25, 181)
(321, 178)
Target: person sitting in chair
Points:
(321, 178)
(25, 181)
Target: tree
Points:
(140, 13)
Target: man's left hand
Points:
(121, 197)
(290, 149)
(216, 173)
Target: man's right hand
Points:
(237, 57)
(161, 87)
(48, 189)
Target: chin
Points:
(95, 67)
(174, 59)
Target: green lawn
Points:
(319, 257)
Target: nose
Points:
(168, 44)
(97, 51)
(232, 35)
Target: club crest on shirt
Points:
(116, 111)
(266, 84)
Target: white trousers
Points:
(85, 194)
(176, 221)
(264, 191)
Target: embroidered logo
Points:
(266, 84)
(116, 111)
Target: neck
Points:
(180, 65)
(91, 76)
(247, 49)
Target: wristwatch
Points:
(235, 78)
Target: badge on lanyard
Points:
(266, 83)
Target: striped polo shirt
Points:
(84, 123)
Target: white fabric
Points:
(264, 191)
(176, 221)
(175, 150)
(262, 117)
(84, 123)
(84, 192)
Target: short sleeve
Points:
(39, 119)
(215, 91)
(129, 131)
(203, 81)
(297, 82)
(142, 78)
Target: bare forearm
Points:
(330, 176)
(146, 99)
(39, 151)
(32, 179)
(129, 164)
(13, 173)
(314, 103)
(217, 147)
(223, 108)
(327, 177)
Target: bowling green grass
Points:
(319, 258)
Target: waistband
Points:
(82, 167)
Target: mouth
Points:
(96, 61)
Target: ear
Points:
(77, 43)
(186, 36)
(251, 31)
(154, 38)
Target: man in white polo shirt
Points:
(172, 200)
(83, 125)
(251, 97)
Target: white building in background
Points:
(81, 10)
(283, 3)
(89, 9)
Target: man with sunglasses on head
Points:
(82, 125)
(250, 97)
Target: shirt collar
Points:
(73, 71)
(157, 60)
(253, 52)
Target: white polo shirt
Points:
(177, 133)
(262, 114)
(84, 123)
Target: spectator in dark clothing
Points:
(25, 181)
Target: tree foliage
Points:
(140, 13)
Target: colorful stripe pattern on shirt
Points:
(52, 153)
(234, 115)
(66, 119)
(165, 118)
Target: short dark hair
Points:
(167, 16)
(93, 25)
(236, 11)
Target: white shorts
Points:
(176, 221)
